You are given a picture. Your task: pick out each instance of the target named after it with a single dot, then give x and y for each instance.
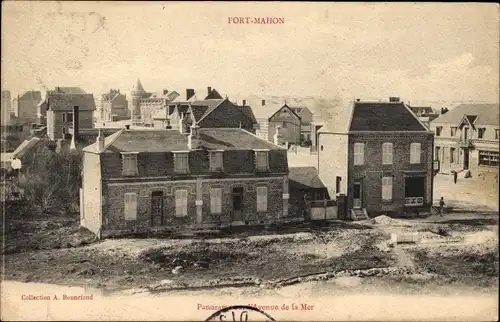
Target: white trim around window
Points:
(181, 199)
(261, 199)
(129, 163)
(216, 160)
(261, 160)
(181, 162)
(359, 153)
(215, 201)
(130, 207)
(387, 188)
(415, 153)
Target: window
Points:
(64, 117)
(215, 201)
(181, 197)
(415, 153)
(261, 199)
(129, 164)
(181, 162)
(488, 158)
(130, 206)
(387, 188)
(480, 133)
(438, 152)
(284, 125)
(359, 153)
(69, 117)
(453, 131)
(438, 130)
(216, 160)
(452, 155)
(387, 153)
(261, 160)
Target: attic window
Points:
(129, 164)
(216, 161)
(262, 160)
(181, 164)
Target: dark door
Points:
(466, 159)
(157, 208)
(357, 195)
(237, 195)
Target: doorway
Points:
(466, 159)
(357, 193)
(156, 208)
(237, 196)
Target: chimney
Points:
(127, 126)
(393, 99)
(209, 90)
(357, 99)
(168, 126)
(194, 137)
(76, 129)
(181, 123)
(276, 135)
(165, 91)
(263, 102)
(244, 102)
(189, 93)
(100, 141)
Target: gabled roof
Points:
(173, 140)
(384, 116)
(31, 96)
(24, 148)
(213, 95)
(247, 110)
(299, 110)
(487, 114)
(305, 177)
(66, 102)
(198, 111)
(285, 106)
(210, 105)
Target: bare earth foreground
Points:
(340, 271)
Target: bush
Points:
(51, 185)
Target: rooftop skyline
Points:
(420, 52)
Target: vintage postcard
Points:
(249, 161)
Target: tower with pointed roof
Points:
(137, 94)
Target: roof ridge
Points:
(269, 142)
(210, 111)
(415, 117)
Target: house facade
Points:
(287, 123)
(147, 180)
(381, 156)
(114, 106)
(467, 138)
(62, 107)
(306, 124)
(25, 106)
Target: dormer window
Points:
(181, 164)
(216, 161)
(262, 160)
(480, 132)
(129, 164)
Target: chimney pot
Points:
(194, 137)
(189, 93)
(263, 102)
(127, 126)
(209, 90)
(244, 102)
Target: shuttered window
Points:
(387, 153)
(181, 162)
(359, 153)
(387, 188)
(415, 153)
(129, 164)
(181, 197)
(130, 206)
(215, 160)
(215, 201)
(261, 199)
(261, 160)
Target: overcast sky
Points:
(420, 52)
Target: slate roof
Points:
(138, 86)
(213, 95)
(247, 110)
(31, 95)
(305, 177)
(70, 90)
(198, 111)
(384, 116)
(487, 114)
(65, 102)
(172, 140)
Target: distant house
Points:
(147, 180)
(61, 106)
(13, 132)
(289, 123)
(424, 113)
(114, 106)
(25, 106)
(381, 157)
(466, 138)
(306, 119)
(5, 107)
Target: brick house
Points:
(25, 106)
(114, 106)
(62, 107)
(380, 155)
(466, 138)
(146, 180)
